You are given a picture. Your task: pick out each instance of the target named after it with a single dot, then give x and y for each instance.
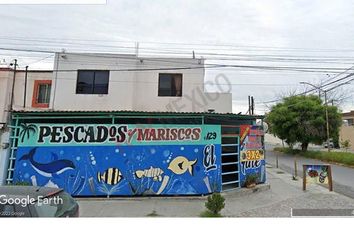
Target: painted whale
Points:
(48, 169)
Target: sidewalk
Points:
(343, 177)
(283, 195)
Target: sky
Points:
(265, 33)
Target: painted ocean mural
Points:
(94, 160)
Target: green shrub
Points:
(20, 184)
(215, 203)
(207, 213)
(250, 179)
(345, 158)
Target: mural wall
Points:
(117, 160)
(252, 153)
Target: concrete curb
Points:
(246, 191)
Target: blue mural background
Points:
(101, 170)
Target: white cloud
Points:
(301, 24)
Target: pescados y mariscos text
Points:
(117, 134)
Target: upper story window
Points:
(92, 82)
(41, 93)
(170, 85)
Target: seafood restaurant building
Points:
(132, 153)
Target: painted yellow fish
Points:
(111, 176)
(154, 173)
(180, 165)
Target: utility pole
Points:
(25, 88)
(327, 122)
(326, 106)
(137, 49)
(13, 85)
(249, 105)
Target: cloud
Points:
(301, 25)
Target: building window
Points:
(350, 121)
(92, 82)
(170, 85)
(41, 93)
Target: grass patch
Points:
(210, 214)
(344, 158)
(153, 214)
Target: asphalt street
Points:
(343, 177)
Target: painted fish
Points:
(154, 173)
(111, 176)
(53, 168)
(180, 165)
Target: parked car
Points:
(31, 201)
(330, 143)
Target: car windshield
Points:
(55, 206)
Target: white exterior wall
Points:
(20, 86)
(132, 90)
(120, 90)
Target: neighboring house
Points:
(125, 82)
(347, 129)
(35, 96)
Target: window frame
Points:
(36, 86)
(94, 72)
(159, 84)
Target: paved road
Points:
(284, 194)
(343, 177)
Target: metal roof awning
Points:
(118, 113)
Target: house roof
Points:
(348, 114)
(8, 69)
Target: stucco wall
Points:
(347, 133)
(20, 86)
(133, 84)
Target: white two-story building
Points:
(105, 82)
(125, 82)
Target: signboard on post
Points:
(318, 174)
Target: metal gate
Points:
(230, 169)
(14, 135)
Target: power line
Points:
(309, 91)
(189, 45)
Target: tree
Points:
(303, 119)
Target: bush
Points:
(344, 158)
(207, 213)
(345, 144)
(20, 184)
(215, 203)
(251, 179)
